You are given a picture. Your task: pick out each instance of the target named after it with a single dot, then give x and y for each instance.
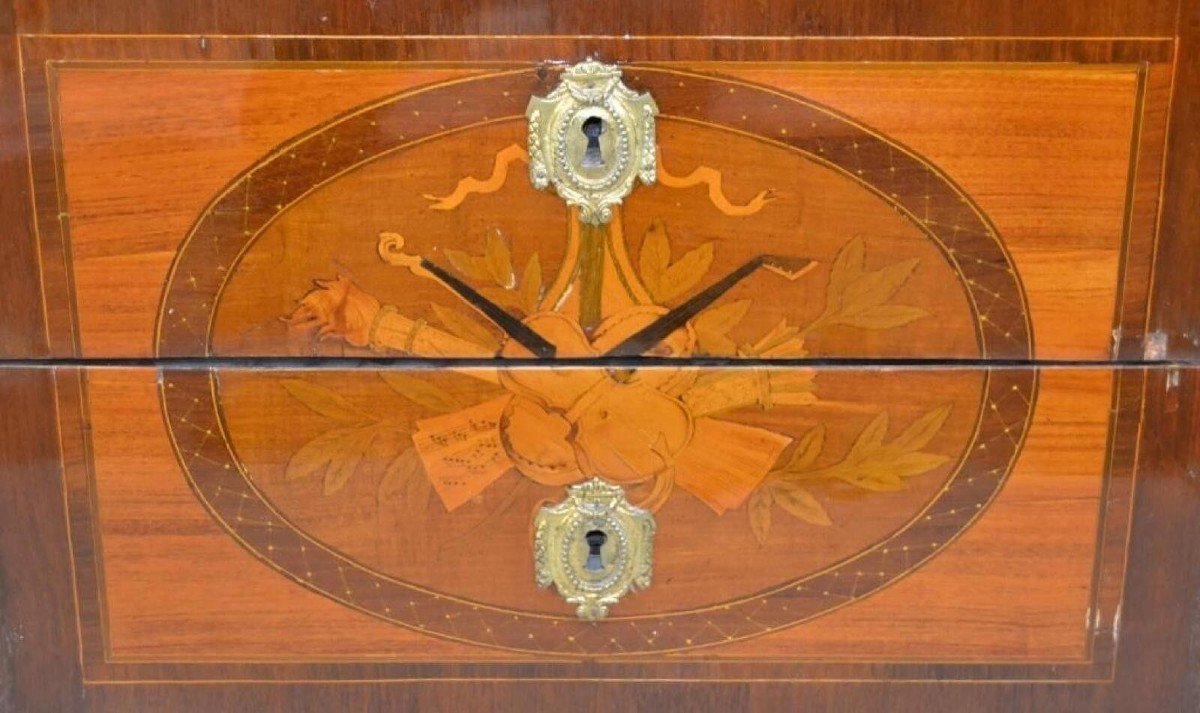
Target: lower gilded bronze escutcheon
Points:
(594, 547)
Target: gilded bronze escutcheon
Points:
(591, 138)
(594, 547)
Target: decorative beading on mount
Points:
(590, 138)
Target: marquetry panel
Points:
(859, 464)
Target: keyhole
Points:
(595, 540)
(592, 128)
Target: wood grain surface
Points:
(922, 18)
(1070, 125)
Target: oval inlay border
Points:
(210, 252)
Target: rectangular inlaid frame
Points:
(42, 55)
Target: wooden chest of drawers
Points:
(355, 371)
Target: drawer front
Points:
(236, 209)
(384, 520)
